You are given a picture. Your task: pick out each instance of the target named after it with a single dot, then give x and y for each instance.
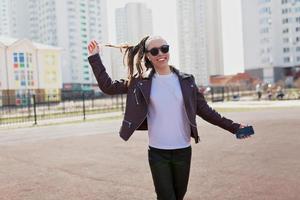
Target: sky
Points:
(165, 25)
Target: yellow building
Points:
(29, 68)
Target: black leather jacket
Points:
(138, 96)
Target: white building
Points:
(214, 37)
(4, 18)
(70, 24)
(27, 67)
(271, 31)
(200, 38)
(133, 22)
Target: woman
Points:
(165, 102)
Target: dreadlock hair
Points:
(134, 58)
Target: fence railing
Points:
(32, 108)
(34, 111)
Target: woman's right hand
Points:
(93, 48)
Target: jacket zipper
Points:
(198, 137)
(147, 106)
(189, 118)
(143, 94)
(136, 99)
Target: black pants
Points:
(170, 172)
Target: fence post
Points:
(48, 102)
(212, 94)
(34, 109)
(93, 99)
(117, 96)
(83, 102)
(122, 103)
(28, 104)
(228, 93)
(223, 95)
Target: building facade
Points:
(271, 32)
(69, 24)
(29, 68)
(200, 38)
(133, 22)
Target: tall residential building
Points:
(69, 24)
(4, 17)
(271, 32)
(200, 38)
(13, 22)
(214, 37)
(133, 22)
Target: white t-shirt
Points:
(168, 125)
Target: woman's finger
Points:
(90, 49)
(93, 44)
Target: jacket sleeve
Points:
(104, 81)
(212, 116)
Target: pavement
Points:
(89, 161)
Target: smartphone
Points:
(246, 131)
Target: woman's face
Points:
(158, 52)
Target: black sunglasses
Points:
(155, 51)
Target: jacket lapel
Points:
(184, 84)
(145, 84)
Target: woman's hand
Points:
(93, 48)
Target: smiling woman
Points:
(164, 101)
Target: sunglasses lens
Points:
(154, 51)
(164, 48)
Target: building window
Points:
(263, 1)
(284, 1)
(297, 48)
(286, 50)
(286, 40)
(286, 59)
(286, 30)
(16, 75)
(265, 10)
(264, 30)
(286, 20)
(286, 10)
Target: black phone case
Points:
(246, 131)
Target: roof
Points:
(232, 79)
(220, 80)
(8, 41)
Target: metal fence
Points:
(32, 108)
(71, 105)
